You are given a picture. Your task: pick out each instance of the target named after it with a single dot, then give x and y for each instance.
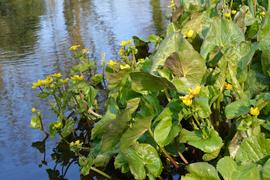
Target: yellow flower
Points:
(187, 99)
(227, 15)
(39, 83)
(228, 86)
(77, 77)
(126, 43)
(126, 66)
(112, 63)
(48, 80)
(74, 47)
(57, 125)
(58, 75)
(189, 34)
(34, 110)
(195, 91)
(254, 111)
(262, 13)
(141, 61)
(75, 143)
(234, 12)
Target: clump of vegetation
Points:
(197, 105)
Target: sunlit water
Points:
(34, 40)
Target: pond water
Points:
(34, 39)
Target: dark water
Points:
(34, 39)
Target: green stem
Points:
(167, 95)
(174, 162)
(183, 158)
(100, 172)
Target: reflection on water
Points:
(34, 39)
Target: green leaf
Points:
(116, 128)
(146, 82)
(202, 107)
(266, 170)
(143, 159)
(168, 127)
(143, 119)
(187, 66)
(231, 171)
(237, 108)
(201, 171)
(211, 144)
(68, 128)
(253, 149)
(121, 163)
(85, 164)
(174, 42)
(222, 33)
(264, 42)
(110, 115)
(36, 122)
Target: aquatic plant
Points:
(197, 105)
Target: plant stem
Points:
(183, 158)
(255, 6)
(175, 163)
(100, 172)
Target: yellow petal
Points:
(34, 110)
(228, 86)
(227, 15)
(254, 111)
(126, 66)
(190, 33)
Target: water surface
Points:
(34, 39)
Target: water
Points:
(34, 39)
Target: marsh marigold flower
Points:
(187, 99)
(34, 110)
(74, 47)
(228, 86)
(227, 15)
(262, 13)
(112, 63)
(126, 66)
(254, 111)
(57, 75)
(57, 125)
(77, 78)
(195, 91)
(189, 34)
(75, 143)
(126, 43)
(234, 12)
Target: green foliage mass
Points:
(198, 101)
